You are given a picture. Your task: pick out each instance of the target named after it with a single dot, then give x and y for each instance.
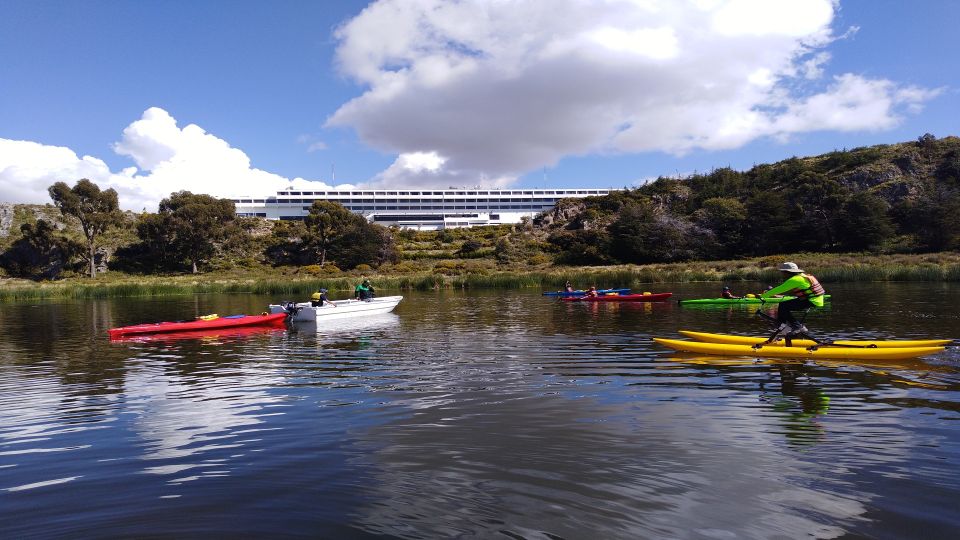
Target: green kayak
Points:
(737, 301)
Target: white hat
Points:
(789, 267)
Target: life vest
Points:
(815, 288)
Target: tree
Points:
(865, 222)
(643, 235)
(364, 243)
(194, 223)
(97, 211)
(580, 246)
(727, 218)
(325, 223)
(39, 253)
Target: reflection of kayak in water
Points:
(200, 335)
(906, 364)
(776, 351)
(646, 297)
(753, 340)
(735, 301)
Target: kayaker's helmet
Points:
(366, 282)
(315, 296)
(790, 267)
(323, 290)
(726, 288)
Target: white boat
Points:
(337, 309)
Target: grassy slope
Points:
(829, 268)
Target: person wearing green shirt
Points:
(364, 290)
(808, 291)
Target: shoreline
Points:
(831, 268)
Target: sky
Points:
(240, 97)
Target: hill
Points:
(898, 198)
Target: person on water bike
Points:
(808, 291)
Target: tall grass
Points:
(835, 269)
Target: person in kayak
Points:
(568, 287)
(364, 290)
(592, 293)
(728, 294)
(319, 298)
(808, 291)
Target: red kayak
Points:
(656, 297)
(199, 324)
(204, 334)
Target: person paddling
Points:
(592, 293)
(808, 291)
(728, 294)
(568, 287)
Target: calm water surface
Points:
(475, 414)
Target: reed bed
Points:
(836, 269)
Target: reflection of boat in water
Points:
(337, 309)
(352, 327)
(908, 364)
(202, 335)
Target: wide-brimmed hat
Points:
(789, 267)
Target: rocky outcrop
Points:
(6, 218)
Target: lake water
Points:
(475, 414)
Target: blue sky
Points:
(241, 97)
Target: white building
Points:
(419, 208)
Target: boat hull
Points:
(656, 297)
(753, 340)
(835, 353)
(340, 309)
(188, 326)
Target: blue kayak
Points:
(581, 293)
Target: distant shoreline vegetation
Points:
(940, 267)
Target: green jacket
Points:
(797, 285)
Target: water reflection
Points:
(473, 414)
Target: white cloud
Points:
(502, 88)
(170, 158)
